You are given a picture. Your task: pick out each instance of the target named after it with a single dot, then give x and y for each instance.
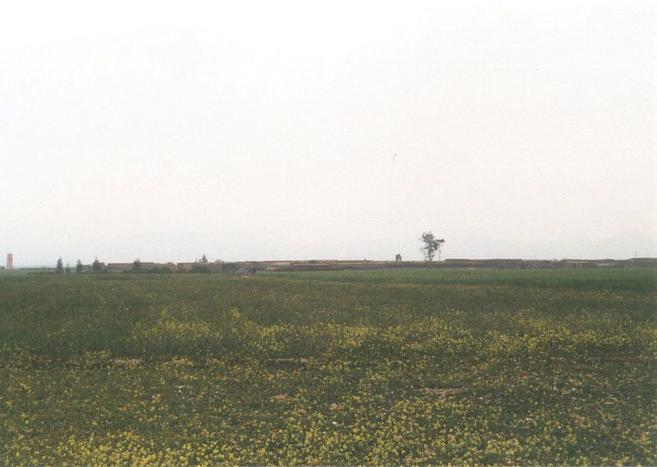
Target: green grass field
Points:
(379, 367)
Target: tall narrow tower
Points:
(10, 261)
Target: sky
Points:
(327, 130)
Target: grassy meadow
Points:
(360, 367)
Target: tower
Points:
(10, 261)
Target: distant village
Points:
(138, 266)
(252, 267)
(202, 265)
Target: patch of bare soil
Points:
(127, 362)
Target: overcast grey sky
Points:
(266, 130)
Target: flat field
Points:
(379, 367)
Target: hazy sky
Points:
(266, 130)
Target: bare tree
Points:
(431, 245)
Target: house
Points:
(185, 267)
(118, 267)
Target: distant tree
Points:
(79, 267)
(431, 245)
(96, 266)
(68, 268)
(398, 257)
(204, 259)
(60, 266)
(136, 265)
